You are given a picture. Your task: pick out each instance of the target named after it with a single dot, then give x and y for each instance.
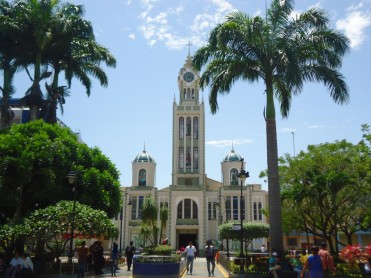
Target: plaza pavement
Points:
(199, 270)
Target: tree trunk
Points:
(274, 191)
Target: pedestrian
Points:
(210, 257)
(2, 268)
(262, 249)
(27, 265)
(328, 263)
(273, 265)
(190, 254)
(114, 258)
(217, 256)
(314, 264)
(129, 254)
(98, 259)
(14, 266)
(295, 263)
(82, 259)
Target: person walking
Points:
(210, 257)
(273, 265)
(314, 264)
(114, 258)
(82, 258)
(190, 254)
(328, 263)
(129, 254)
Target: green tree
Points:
(149, 215)
(326, 190)
(282, 51)
(52, 226)
(74, 51)
(251, 231)
(9, 34)
(35, 160)
(164, 215)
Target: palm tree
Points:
(74, 51)
(284, 52)
(164, 215)
(9, 34)
(150, 216)
(39, 17)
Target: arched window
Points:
(195, 128)
(188, 127)
(185, 93)
(142, 178)
(188, 93)
(181, 128)
(187, 209)
(234, 176)
(193, 93)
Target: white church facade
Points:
(196, 203)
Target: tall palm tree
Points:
(150, 216)
(74, 51)
(39, 17)
(284, 52)
(164, 215)
(10, 33)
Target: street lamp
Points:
(72, 177)
(242, 175)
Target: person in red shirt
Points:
(82, 256)
(328, 263)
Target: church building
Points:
(196, 203)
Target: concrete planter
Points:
(158, 269)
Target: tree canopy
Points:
(326, 190)
(251, 231)
(283, 52)
(35, 160)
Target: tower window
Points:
(181, 128)
(136, 209)
(188, 158)
(185, 93)
(195, 158)
(188, 93)
(188, 127)
(195, 128)
(142, 177)
(193, 93)
(233, 176)
(181, 158)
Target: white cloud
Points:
(357, 19)
(286, 130)
(228, 143)
(132, 36)
(156, 25)
(315, 126)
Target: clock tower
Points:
(188, 168)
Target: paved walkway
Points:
(199, 270)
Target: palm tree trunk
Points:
(274, 194)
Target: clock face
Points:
(188, 76)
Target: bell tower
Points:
(188, 168)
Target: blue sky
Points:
(148, 39)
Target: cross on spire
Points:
(189, 48)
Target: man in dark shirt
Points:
(129, 254)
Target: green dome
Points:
(232, 157)
(144, 157)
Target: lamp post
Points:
(121, 216)
(242, 175)
(72, 177)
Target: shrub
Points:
(162, 250)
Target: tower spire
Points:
(189, 48)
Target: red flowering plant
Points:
(353, 255)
